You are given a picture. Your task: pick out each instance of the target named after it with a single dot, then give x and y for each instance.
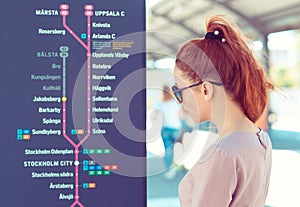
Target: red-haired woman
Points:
(218, 79)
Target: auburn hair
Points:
(231, 62)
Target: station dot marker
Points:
(64, 99)
(76, 163)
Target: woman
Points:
(218, 79)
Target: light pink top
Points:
(237, 174)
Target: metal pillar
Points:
(266, 53)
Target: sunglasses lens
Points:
(177, 94)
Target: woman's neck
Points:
(234, 120)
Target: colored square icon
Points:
(73, 131)
(99, 167)
(19, 137)
(26, 136)
(83, 36)
(85, 168)
(80, 131)
(92, 167)
(85, 162)
(19, 131)
(106, 151)
(92, 185)
(26, 131)
(85, 152)
(85, 185)
(99, 151)
(115, 167)
(92, 162)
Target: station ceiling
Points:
(172, 22)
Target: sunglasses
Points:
(178, 91)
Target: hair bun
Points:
(216, 35)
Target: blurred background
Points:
(274, 27)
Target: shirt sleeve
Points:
(216, 180)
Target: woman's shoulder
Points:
(241, 140)
(243, 146)
(235, 146)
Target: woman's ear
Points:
(207, 89)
